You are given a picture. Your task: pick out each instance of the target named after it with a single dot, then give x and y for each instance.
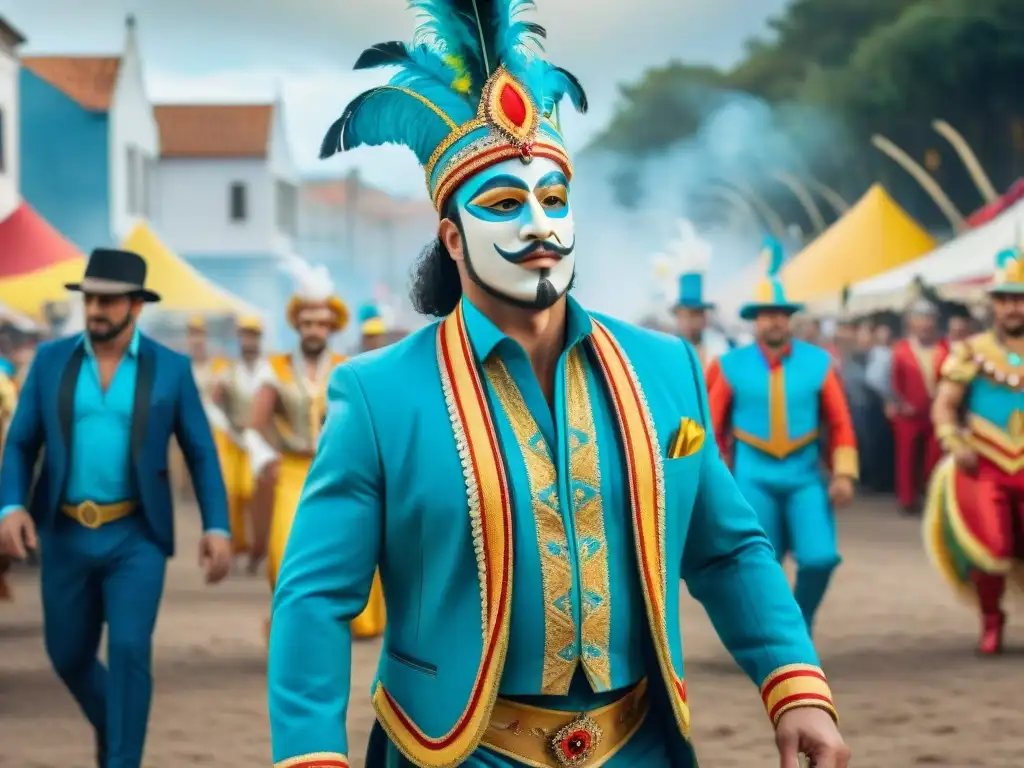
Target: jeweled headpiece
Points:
(472, 91)
(1009, 276)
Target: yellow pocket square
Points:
(688, 440)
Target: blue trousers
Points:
(112, 575)
(798, 520)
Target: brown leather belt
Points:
(93, 515)
(548, 738)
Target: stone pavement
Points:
(896, 646)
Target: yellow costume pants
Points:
(290, 479)
(238, 481)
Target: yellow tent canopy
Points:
(874, 236)
(29, 293)
(181, 288)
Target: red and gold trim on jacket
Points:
(490, 513)
(796, 685)
(315, 760)
(647, 502)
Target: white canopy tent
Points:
(17, 319)
(964, 259)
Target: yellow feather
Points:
(461, 83)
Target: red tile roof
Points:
(368, 200)
(28, 242)
(88, 80)
(214, 130)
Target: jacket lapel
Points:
(144, 375)
(66, 392)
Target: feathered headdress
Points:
(472, 91)
(770, 294)
(314, 290)
(691, 254)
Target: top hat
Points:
(691, 292)
(112, 272)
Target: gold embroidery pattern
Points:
(560, 651)
(588, 514)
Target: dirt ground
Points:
(897, 648)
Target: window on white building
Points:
(287, 208)
(132, 155)
(238, 201)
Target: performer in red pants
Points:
(915, 374)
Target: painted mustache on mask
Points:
(549, 248)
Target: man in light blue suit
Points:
(532, 480)
(102, 408)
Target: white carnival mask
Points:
(518, 232)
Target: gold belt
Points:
(548, 738)
(93, 515)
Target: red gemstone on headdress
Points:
(576, 744)
(527, 149)
(512, 105)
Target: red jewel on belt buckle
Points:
(576, 742)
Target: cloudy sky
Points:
(245, 50)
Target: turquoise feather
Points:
(458, 45)
(773, 249)
(1003, 258)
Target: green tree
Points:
(667, 103)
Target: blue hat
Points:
(691, 292)
(370, 321)
(770, 295)
(691, 256)
(472, 91)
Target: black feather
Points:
(576, 93)
(536, 29)
(393, 53)
(334, 139)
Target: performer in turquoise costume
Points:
(532, 480)
(772, 402)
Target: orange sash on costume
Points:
(490, 513)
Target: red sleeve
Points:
(842, 439)
(719, 404)
(896, 376)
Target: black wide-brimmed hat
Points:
(115, 273)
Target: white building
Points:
(10, 191)
(88, 143)
(228, 194)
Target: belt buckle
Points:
(88, 515)
(575, 743)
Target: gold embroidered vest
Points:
(303, 403)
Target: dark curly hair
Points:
(436, 286)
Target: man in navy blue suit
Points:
(102, 407)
